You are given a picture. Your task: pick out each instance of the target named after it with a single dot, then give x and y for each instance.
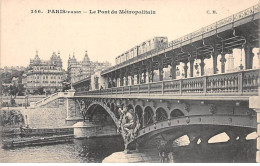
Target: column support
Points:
(160, 67)
(191, 67)
(148, 74)
(173, 70)
(160, 74)
(223, 62)
(126, 77)
(132, 78)
(152, 74)
(185, 69)
(249, 55)
(138, 76)
(144, 76)
(121, 78)
(202, 65)
(215, 61)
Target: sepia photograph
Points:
(133, 81)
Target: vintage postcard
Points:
(134, 81)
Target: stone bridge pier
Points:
(254, 104)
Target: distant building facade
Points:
(78, 70)
(11, 69)
(45, 74)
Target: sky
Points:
(104, 36)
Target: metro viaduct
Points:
(199, 107)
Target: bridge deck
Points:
(238, 85)
(169, 97)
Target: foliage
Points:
(21, 90)
(13, 90)
(6, 77)
(11, 117)
(40, 90)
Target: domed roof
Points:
(54, 56)
(37, 58)
(86, 58)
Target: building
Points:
(11, 69)
(78, 70)
(45, 75)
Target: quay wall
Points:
(50, 115)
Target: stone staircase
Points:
(44, 101)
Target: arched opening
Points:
(139, 113)
(222, 137)
(130, 107)
(161, 114)
(181, 141)
(148, 116)
(98, 114)
(112, 107)
(199, 141)
(176, 113)
(251, 136)
(108, 105)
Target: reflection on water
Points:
(81, 150)
(96, 149)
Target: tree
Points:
(40, 90)
(5, 90)
(13, 91)
(21, 90)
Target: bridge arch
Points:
(139, 112)
(161, 114)
(176, 113)
(114, 109)
(105, 107)
(130, 106)
(148, 115)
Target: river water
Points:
(79, 151)
(96, 149)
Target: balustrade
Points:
(143, 88)
(134, 89)
(237, 83)
(156, 87)
(172, 87)
(126, 89)
(251, 81)
(192, 85)
(224, 83)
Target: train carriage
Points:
(156, 43)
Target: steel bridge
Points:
(201, 106)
